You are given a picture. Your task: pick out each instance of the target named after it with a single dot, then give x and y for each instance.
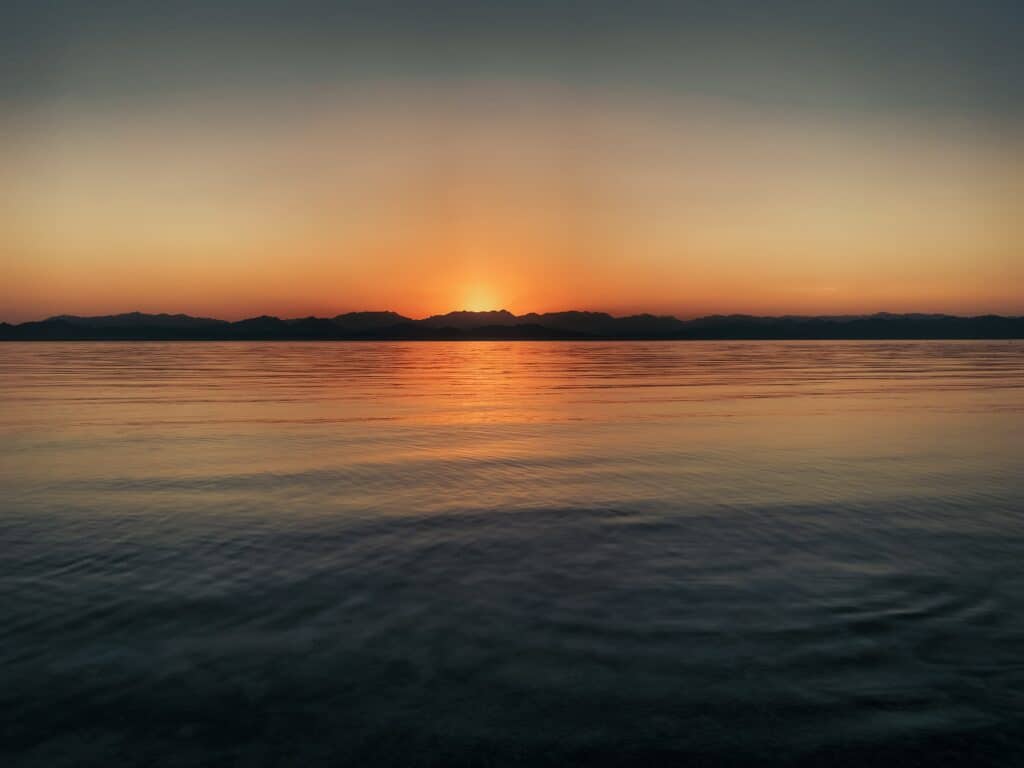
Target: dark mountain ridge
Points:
(141, 319)
(503, 325)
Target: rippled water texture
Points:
(495, 554)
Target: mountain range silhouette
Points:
(503, 325)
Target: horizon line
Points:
(682, 318)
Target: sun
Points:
(478, 298)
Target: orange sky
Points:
(519, 195)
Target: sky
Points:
(237, 158)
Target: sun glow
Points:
(756, 213)
(478, 298)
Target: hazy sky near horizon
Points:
(236, 158)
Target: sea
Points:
(523, 553)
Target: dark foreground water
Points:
(512, 554)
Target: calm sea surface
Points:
(512, 554)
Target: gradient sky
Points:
(237, 158)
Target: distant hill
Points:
(503, 325)
(466, 320)
(360, 322)
(141, 320)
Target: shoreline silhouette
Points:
(501, 325)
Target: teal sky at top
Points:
(939, 57)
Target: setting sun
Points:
(478, 298)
